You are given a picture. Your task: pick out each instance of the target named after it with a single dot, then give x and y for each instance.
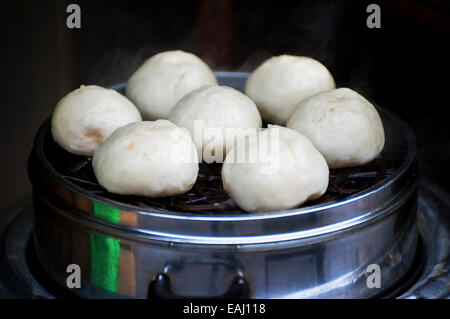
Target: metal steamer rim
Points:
(378, 188)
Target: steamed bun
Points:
(217, 114)
(151, 159)
(342, 125)
(281, 170)
(163, 79)
(278, 84)
(85, 117)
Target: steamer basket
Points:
(202, 245)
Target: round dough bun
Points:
(291, 172)
(152, 159)
(215, 116)
(85, 117)
(163, 79)
(342, 125)
(278, 84)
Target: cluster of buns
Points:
(146, 144)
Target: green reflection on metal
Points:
(105, 251)
(106, 212)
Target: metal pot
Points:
(323, 250)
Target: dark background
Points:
(403, 66)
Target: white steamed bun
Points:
(163, 79)
(278, 84)
(342, 125)
(214, 115)
(281, 176)
(151, 159)
(85, 117)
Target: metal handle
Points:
(160, 286)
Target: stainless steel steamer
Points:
(321, 250)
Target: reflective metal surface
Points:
(251, 228)
(19, 277)
(320, 251)
(124, 263)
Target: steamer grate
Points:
(207, 197)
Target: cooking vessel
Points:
(356, 241)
